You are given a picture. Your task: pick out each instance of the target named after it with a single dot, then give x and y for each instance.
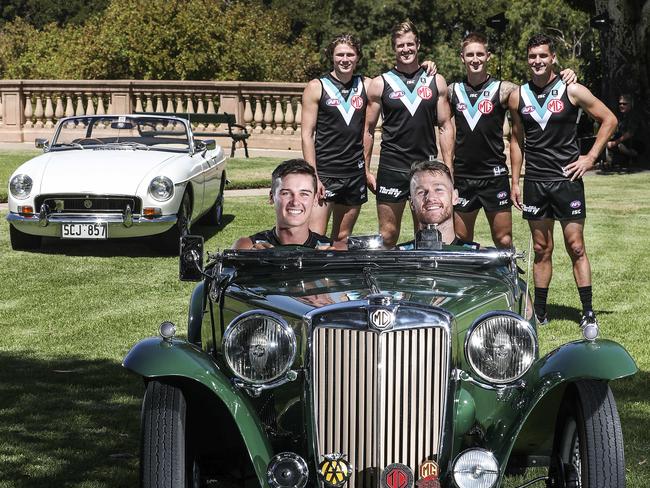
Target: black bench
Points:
(236, 132)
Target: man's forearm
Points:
(447, 140)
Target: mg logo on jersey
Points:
(527, 109)
(485, 106)
(555, 106)
(460, 106)
(332, 102)
(425, 93)
(356, 102)
(396, 94)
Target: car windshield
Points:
(121, 132)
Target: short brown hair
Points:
(540, 40)
(402, 28)
(435, 166)
(474, 37)
(292, 166)
(345, 38)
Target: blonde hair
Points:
(403, 28)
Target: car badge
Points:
(382, 318)
(397, 475)
(334, 469)
(429, 470)
(88, 203)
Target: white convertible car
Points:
(116, 176)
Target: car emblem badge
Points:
(382, 318)
(334, 469)
(88, 203)
(397, 475)
(429, 470)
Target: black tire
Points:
(21, 241)
(214, 216)
(169, 242)
(165, 461)
(590, 440)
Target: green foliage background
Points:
(268, 40)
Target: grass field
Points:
(69, 413)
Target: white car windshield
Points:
(120, 132)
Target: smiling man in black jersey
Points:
(544, 113)
(411, 103)
(293, 196)
(479, 104)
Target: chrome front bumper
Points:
(119, 225)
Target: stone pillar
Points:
(13, 108)
(121, 103)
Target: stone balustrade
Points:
(270, 111)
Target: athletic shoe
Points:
(589, 326)
(541, 321)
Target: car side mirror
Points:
(204, 145)
(41, 143)
(190, 265)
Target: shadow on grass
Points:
(564, 312)
(67, 422)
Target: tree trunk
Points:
(626, 51)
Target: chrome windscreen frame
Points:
(445, 322)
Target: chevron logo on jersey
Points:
(482, 105)
(346, 107)
(542, 113)
(410, 99)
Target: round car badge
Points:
(382, 318)
(88, 203)
(397, 475)
(334, 470)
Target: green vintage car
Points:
(371, 368)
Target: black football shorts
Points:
(559, 200)
(492, 194)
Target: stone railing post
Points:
(13, 107)
(121, 102)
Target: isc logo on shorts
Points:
(396, 95)
(332, 102)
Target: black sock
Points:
(540, 301)
(585, 298)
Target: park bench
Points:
(236, 132)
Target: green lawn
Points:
(69, 414)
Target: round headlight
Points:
(161, 188)
(501, 347)
(476, 468)
(20, 186)
(259, 346)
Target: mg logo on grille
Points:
(382, 318)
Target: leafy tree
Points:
(42, 12)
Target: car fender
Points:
(598, 360)
(154, 358)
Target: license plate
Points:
(84, 231)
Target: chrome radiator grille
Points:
(379, 397)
